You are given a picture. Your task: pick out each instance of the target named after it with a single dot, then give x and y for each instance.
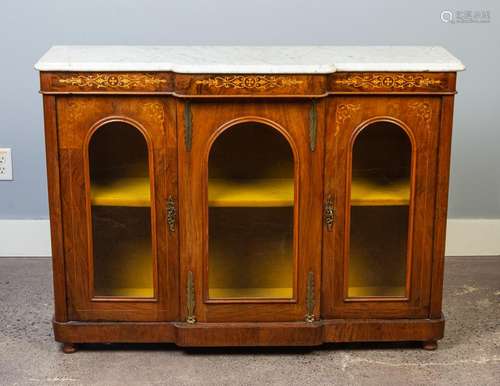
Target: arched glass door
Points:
(380, 198)
(120, 197)
(251, 199)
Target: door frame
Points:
(419, 116)
(291, 119)
(78, 118)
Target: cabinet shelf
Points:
(270, 192)
(266, 192)
(376, 291)
(128, 191)
(126, 292)
(251, 293)
(375, 191)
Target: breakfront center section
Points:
(247, 175)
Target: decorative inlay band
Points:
(257, 82)
(398, 81)
(123, 81)
(344, 112)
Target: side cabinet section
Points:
(380, 181)
(118, 176)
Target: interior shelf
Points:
(128, 292)
(357, 292)
(251, 293)
(376, 191)
(133, 192)
(266, 192)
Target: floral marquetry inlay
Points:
(397, 81)
(344, 111)
(155, 110)
(423, 111)
(256, 82)
(77, 108)
(114, 81)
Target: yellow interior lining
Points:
(122, 192)
(278, 293)
(268, 192)
(356, 292)
(377, 192)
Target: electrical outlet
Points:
(5, 164)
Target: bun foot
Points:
(430, 345)
(69, 348)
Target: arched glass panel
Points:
(121, 212)
(379, 212)
(251, 214)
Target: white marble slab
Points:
(248, 59)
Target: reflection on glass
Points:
(251, 201)
(380, 198)
(121, 212)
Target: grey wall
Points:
(29, 28)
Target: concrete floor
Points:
(468, 355)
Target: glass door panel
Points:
(251, 214)
(120, 191)
(379, 212)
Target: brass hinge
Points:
(171, 213)
(188, 125)
(190, 299)
(313, 123)
(310, 298)
(330, 213)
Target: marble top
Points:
(248, 59)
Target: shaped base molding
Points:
(252, 334)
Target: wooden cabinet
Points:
(247, 209)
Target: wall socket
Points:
(5, 164)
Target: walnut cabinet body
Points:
(347, 228)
